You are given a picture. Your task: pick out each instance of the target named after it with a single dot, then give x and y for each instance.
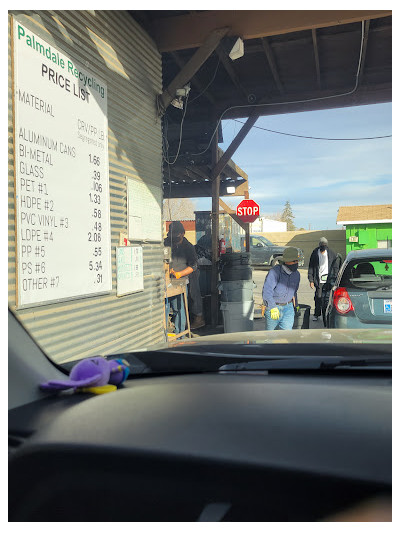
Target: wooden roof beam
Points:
(191, 30)
(179, 61)
(272, 64)
(227, 63)
(192, 66)
(364, 50)
(316, 56)
(313, 101)
(183, 190)
(237, 141)
(233, 214)
(194, 173)
(236, 169)
(200, 189)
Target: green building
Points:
(367, 226)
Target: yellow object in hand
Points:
(274, 313)
(177, 274)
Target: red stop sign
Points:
(248, 211)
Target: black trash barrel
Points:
(302, 318)
(237, 304)
(235, 266)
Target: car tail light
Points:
(341, 301)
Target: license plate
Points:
(387, 306)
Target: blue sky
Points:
(316, 176)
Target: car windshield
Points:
(166, 191)
(262, 240)
(374, 274)
(199, 208)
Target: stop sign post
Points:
(248, 211)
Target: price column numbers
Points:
(96, 225)
(95, 198)
(94, 159)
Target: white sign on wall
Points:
(129, 269)
(61, 174)
(144, 211)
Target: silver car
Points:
(362, 294)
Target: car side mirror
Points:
(259, 245)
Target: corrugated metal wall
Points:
(113, 45)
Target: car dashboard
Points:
(221, 446)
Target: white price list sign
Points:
(61, 175)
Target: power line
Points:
(180, 135)
(204, 90)
(318, 138)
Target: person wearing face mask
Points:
(322, 269)
(280, 291)
(183, 265)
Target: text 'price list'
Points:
(61, 179)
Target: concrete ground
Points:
(305, 296)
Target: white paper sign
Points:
(61, 177)
(129, 269)
(144, 211)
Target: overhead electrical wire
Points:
(319, 138)
(166, 159)
(180, 136)
(212, 79)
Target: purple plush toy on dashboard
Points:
(95, 374)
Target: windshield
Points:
(374, 274)
(135, 207)
(262, 240)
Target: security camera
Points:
(184, 91)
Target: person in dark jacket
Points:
(183, 265)
(322, 271)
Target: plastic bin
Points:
(302, 319)
(235, 266)
(237, 316)
(237, 291)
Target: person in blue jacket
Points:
(280, 291)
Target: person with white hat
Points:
(322, 270)
(280, 291)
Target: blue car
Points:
(362, 294)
